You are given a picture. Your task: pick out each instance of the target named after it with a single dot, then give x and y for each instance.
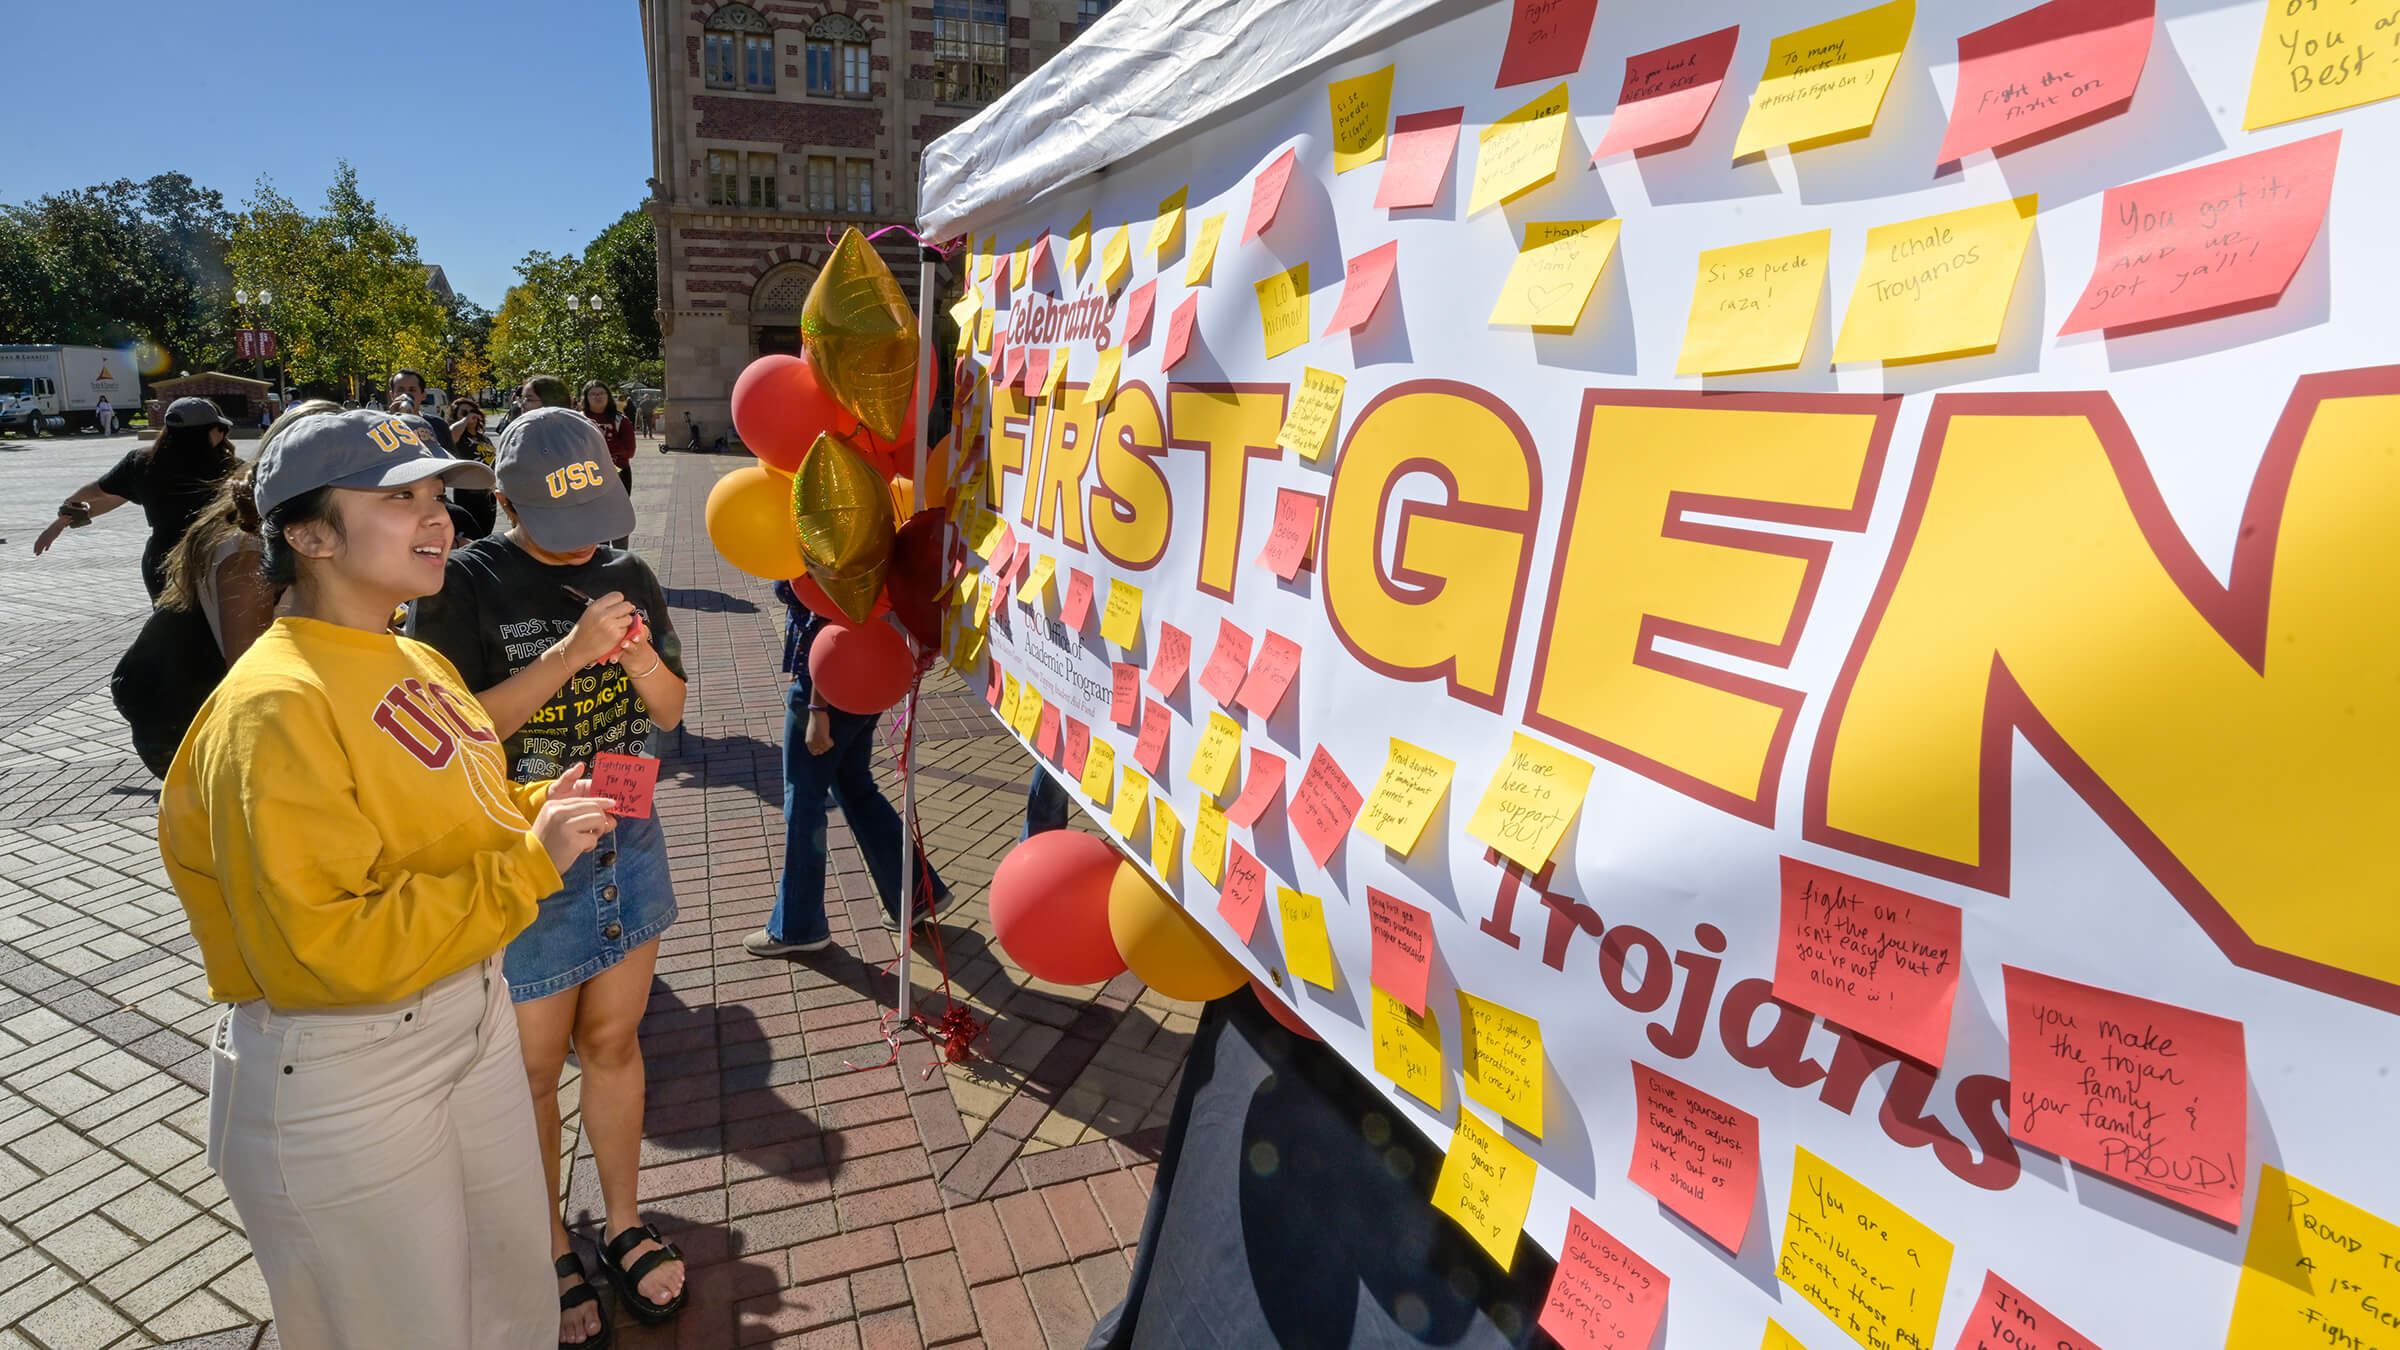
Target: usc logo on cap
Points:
(572, 478)
(392, 435)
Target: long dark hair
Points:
(584, 400)
(189, 445)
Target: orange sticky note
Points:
(1173, 659)
(1696, 1154)
(1545, 40)
(1150, 748)
(1324, 806)
(1266, 193)
(2066, 61)
(1876, 960)
(1293, 539)
(1222, 676)
(1403, 948)
(1422, 146)
(1078, 604)
(2020, 1322)
(1125, 693)
(1245, 892)
(2145, 1093)
(991, 688)
(1259, 786)
(1603, 1297)
(1179, 332)
(1667, 93)
(1364, 281)
(1271, 675)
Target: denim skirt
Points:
(617, 897)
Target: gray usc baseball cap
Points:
(196, 412)
(554, 466)
(356, 449)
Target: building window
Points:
(1093, 9)
(758, 63)
(858, 76)
(821, 67)
(823, 195)
(970, 50)
(840, 60)
(859, 177)
(738, 49)
(724, 178)
(762, 181)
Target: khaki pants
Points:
(383, 1164)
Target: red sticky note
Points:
(1041, 255)
(1697, 1155)
(1079, 744)
(1545, 40)
(1269, 679)
(2150, 1094)
(1037, 370)
(1259, 787)
(627, 780)
(1152, 746)
(1403, 951)
(1266, 193)
(1000, 272)
(1363, 284)
(1173, 659)
(2019, 1322)
(1005, 550)
(1324, 806)
(1603, 1297)
(1078, 605)
(2053, 64)
(1245, 892)
(1418, 157)
(1045, 737)
(2228, 233)
(1137, 312)
(1179, 331)
(1125, 698)
(1294, 538)
(1667, 93)
(1882, 962)
(1222, 676)
(1015, 363)
(992, 690)
(1018, 567)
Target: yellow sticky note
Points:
(2315, 1262)
(1308, 427)
(1220, 747)
(1116, 261)
(1938, 286)
(1037, 580)
(968, 583)
(1018, 262)
(1168, 228)
(1533, 797)
(1208, 841)
(1010, 693)
(1487, 1185)
(1103, 386)
(966, 652)
(1520, 152)
(1307, 949)
(1779, 1339)
(1283, 309)
(983, 604)
(1828, 80)
(1057, 373)
(1029, 712)
(2320, 58)
(963, 313)
(984, 328)
(1754, 305)
(1166, 838)
(987, 257)
(1408, 1048)
(1121, 621)
(1196, 268)
(1500, 1051)
(988, 529)
(1079, 244)
(1552, 278)
(1362, 111)
(1860, 1258)
(1132, 795)
(1099, 771)
(1405, 795)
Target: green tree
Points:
(626, 254)
(119, 263)
(351, 301)
(537, 332)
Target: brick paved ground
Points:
(993, 1203)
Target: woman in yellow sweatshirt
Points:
(353, 858)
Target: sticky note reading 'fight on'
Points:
(2318, 59)
(1879, 961)
(1133, 793)
(1125, 693)
(1695, 1154)
(1754, 305)
(1423, 144)
(1220, 748)
(1259, 785)
(1551, 281)
(1667, 93)
(1121, 622)
(2319, 1271)
(1408, 1048)
(1150, 748)
(1222, 676)
(1545, 40)
(1180, 327)
(1939, 286)
(627, 781)
(1324, 807)
(2066, 61)
(1203, 259)
(1208, 841)
(1266, 194)
(1271, 675)
(1293, 540)
(1500, 1050)
(1078, 604)
(1863, 1260)
(2004, 1319)
(1364, 281)
(1405, 796)
(1244, 895)
(1402, 936)
(1309, 425)
(1307, 948)
(1603, 1296)
(1520, 152)
(1533, 797)
(1828, 80)
(1362, 107)
(1487, 1186)
(1173, 659)
(1099, 769)
(1283, 309)
(1166, 839)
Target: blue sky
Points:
(487, 128)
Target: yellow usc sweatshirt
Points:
(340, 826)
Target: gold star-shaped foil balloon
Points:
(861, 337)
(842, 510)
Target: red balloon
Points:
(814, 596)
(1275, 1008)
(780, 409)
(861, 667)
(918, 571)
(1049, 901)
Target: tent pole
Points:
(906, 995)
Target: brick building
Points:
(775, 122)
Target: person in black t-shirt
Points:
(173, 480)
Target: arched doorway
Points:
(775, 309)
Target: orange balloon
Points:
(1164, 945)
(749, 518)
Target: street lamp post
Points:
(576, 304)
(258, 329)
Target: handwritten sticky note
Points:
(1099, 769)
(1173, 659)
(1078, 604)
(991, 689)
(1011, 693)
(1116, 260)
(1552, 278)
(1500, 1050)
(1695, 1154)
(1037, 370)
(1041, 258)
(1244, 896)
(1167, 228)
(966, 651)
(1532, 798)
(1133, 793)
(1402, 936)
(984, 257)
(1166, 838)
(1260, 783)
(2145, 1093)
(1520, 152)
(1219, 750)
(1180, 327)
(1079, 747)
(2004, 1319)
(984, 596)
(1876, 960)
(1121, 621)
(985, 326)
(1827, 80)
(1138, 305)
(1307, 948)
(1308, 425)
(1046, 734)
(1125, 693)
(1208, 841)
(1203, 259)
(2229, 233)
(1150, 747)
(1545, 40)
(1283, 309)
(627, 781)
(1405, 795)
(1754, 305)
(1030, 707)
(1222, 676)
(1938, 286)
(999, 538)
(1017, 564)
(1364, 280)
(2065, 61)
(1423, 144)
(2319, 1271)
(1020, 265)
(1324, 807)
(1103, 385)
(1271, 675)
(1293, 539)
(1037, 581)
(1079, 243)
(1408, 1047)
(1860, 1258)
(1667, 93)
(2320, 58)
(1266, 193)
(1603, 1296)
(1487, 1186)
(1056, 375)
(1362, 107)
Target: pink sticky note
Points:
(1018, 567)
(1667, 93)
(627, 780)
(2026, 1323)
(1014, 366)
(1000, 273)
(1152, 745)
(2066, 61)
(991, 689)
(1418, 157)
(1363, 284)
(1041, 256)
(1173, 659)
(1222, 676)
(1603, 1296)
(1125, 697)
(1137, 313)
(1403, 952)
(1545, 40)
(1259, 787)
(1179, 331)
(1324, 806)
(1245, 892)
(1078, 605)
(1882, 962)
(1271, 675)
(1045, 737)
(1294, 538)
(1037, 370)
(1697, 1155)
(1079, 744)
(1266, 193)
(2145, 1093)
(1006, 548)
(2224, 234)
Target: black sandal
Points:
(583, 1292)
(629, 1282)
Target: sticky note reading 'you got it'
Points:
(1487, 1185)
(1863, 1260)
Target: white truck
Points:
(54, 388)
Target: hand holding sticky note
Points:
(627, 781)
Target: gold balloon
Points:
(842, 510)
(861, 337)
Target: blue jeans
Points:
(846, 774)
(1045, 805)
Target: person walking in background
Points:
(106, 414)
(601, 407)
(216, 567)
(409, 384)
(467, 441)
(172, 479)
(341, 831)
(545, 391)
